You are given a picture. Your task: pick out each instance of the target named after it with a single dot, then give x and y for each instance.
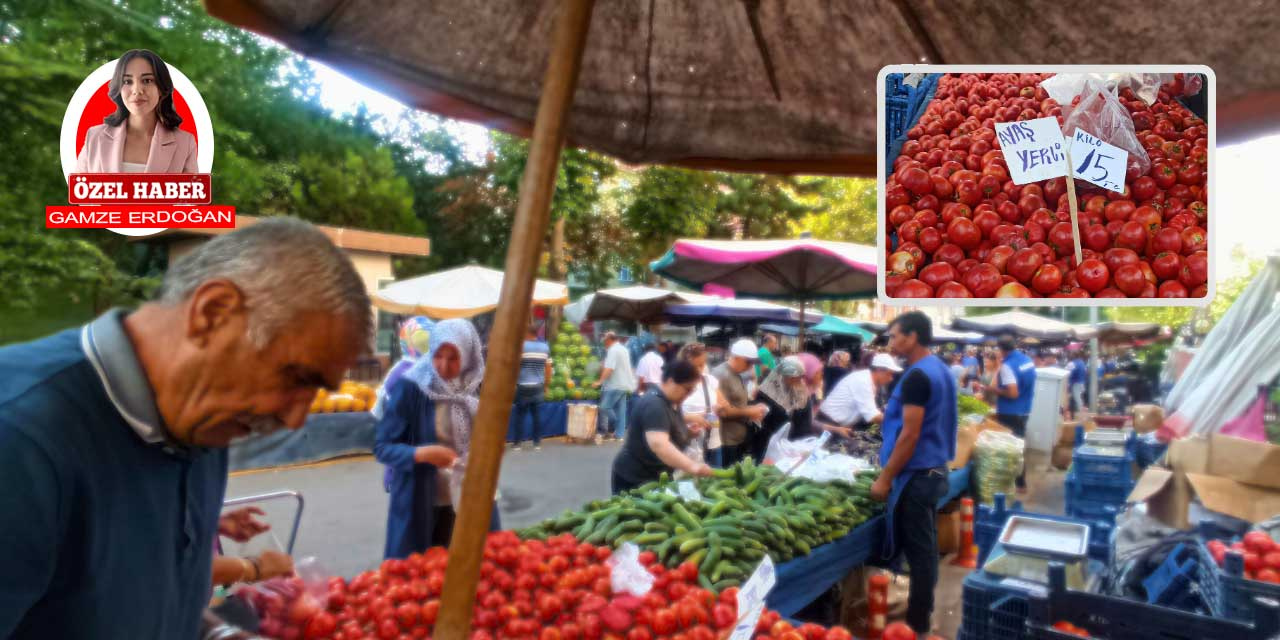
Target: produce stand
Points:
(553, 417)
(325, 436)
(803, 579)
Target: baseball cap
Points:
(885, 361)
(745, 348)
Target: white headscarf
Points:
(461, 394)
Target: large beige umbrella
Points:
(458, 293)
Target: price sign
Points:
(1101, 163)
(1033, 149)
(751, 599)
(688, 492)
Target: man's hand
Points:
(879, 418)
(696, 423)
(700, 469)
(881, 487)
(595, 385)
(435, 455)
(843, 432)
(272, 563)
(241, 525)
(759, 411)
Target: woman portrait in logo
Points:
(142, 136)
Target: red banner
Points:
(140, 217)
(138, 188)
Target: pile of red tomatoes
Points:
(554, 590)
(963, 229)
(1261, 555)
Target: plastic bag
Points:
(825, 466)
(997, 461)
(1099, 112)
(626, 574)
(279, 600)
(785, 453)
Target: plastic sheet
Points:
(626, 574)
(1100, 112)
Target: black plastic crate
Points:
(1110, 617)
(1238, 592)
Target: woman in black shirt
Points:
(657, 434)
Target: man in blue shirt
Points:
(113, 436)
(1077, 378)
(1014, 387)
(919, 440)
(531, 386)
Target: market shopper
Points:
(616, 383)
(1013, 386)
(531, 388)
(658, 436)
(649, 370)
(788, 392)
(852, 403)
(241, 525)
(739, 418)
(919, 440)
(424, 436)
(837, 368)
(765, 361)
(113, 436)
(703, 407)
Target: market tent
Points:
(839, 326)
(803, 269)
(1126, 332)
(457, 293)
(941, 335)
(760, 86)
(1241, 352)
(1021, 324)
(731, 310)
(637, 303)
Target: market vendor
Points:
(113, 436)
(657, 436)
(1014, 386)
(919, 440)
(852, 403)
(424, 437)
(739, 418)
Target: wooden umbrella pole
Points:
(1074, 207)
(466, 549)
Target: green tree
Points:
(668, 203)
(842, 209)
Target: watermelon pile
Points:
(575, 367)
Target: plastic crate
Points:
(1171, 584)
(1092, 511)
(903, 106)
(1237, 591)
(995, 607)
(1110, 617)
(1092, 468)
(989, 521)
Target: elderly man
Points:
(113, 436)
(736, 418)
(852, 403)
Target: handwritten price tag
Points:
(1033, 149)
(1101, 163)
(751, 599)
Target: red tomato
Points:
(898, 631)
(664, 621)
(1130, 280)
(1258, 542)
(937, 274)
(983, 280)
(1133, 235)
(1047, 280)
(1023, 264)
(722, 617)
(964, 233)
(913, 289)
(1167, 240)
(1167, 266)
(1194, 239)
(916, 181)
(1195, 270)
(1095, 237)
(1093, 275)
(1013, 290)
(952, 290)
(1191, 173)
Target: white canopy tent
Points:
(458, 293)
(637, 303)
(1023, 324)
(1241, 352)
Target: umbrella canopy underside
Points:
(773, 269)
(759, 85)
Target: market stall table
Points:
(552, 416)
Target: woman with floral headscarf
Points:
(789, 391)
(424, 435)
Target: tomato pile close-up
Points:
(1261, 556)
(554, 590)
(962, 229)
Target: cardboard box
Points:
(948, 532)
(1067, 430)
(1146, 417)
(967, 436)
(1236, 477)
(1061, 457)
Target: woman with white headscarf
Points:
(424, 435)
(789, 392)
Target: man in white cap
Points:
(852, 403)
(736, 419)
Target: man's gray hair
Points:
(284, 267)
